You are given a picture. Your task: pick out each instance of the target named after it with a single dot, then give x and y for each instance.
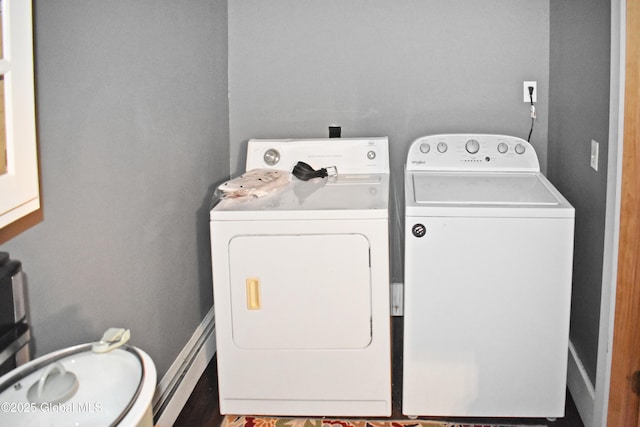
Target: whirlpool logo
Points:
(419, 230)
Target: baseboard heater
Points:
(176, 385)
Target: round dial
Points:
(271, 156)
(371, 155)
(472, 146)
(519, 148)
(425, 148)
(442, 147)
(502, 148)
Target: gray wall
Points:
(134, 128)
(382, 68)
(579, 112)
(133, 131)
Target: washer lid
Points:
(482, 189)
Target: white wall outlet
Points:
(525, 91)
(595, 154)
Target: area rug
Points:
(248, 421)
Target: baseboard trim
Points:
(176, 385)
(580, 387)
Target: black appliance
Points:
(14, 329)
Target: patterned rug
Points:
(247, 421)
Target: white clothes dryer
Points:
(301, 284)
(488, 262)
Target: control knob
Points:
(442, 147)
(472, 146)
(502, 148)
(271, 156)
(425, 148)
(519, 148)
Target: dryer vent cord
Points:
(533, 112)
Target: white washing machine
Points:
(301, 285)
(488, 261)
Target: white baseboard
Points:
(176, 385)
(580, 387)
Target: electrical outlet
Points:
(525, 91)
(595, 154)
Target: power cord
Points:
(305, 172)
(533, 112)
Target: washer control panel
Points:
(472, 152)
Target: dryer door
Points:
(308, 291)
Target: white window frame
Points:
(19, 189)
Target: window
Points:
(19, 192)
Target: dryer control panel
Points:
(348, 155)
(472, 152)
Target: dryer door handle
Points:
(253, 293)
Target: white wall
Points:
(133, 131)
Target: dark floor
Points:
(202, 407)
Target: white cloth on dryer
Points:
(254, 183)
